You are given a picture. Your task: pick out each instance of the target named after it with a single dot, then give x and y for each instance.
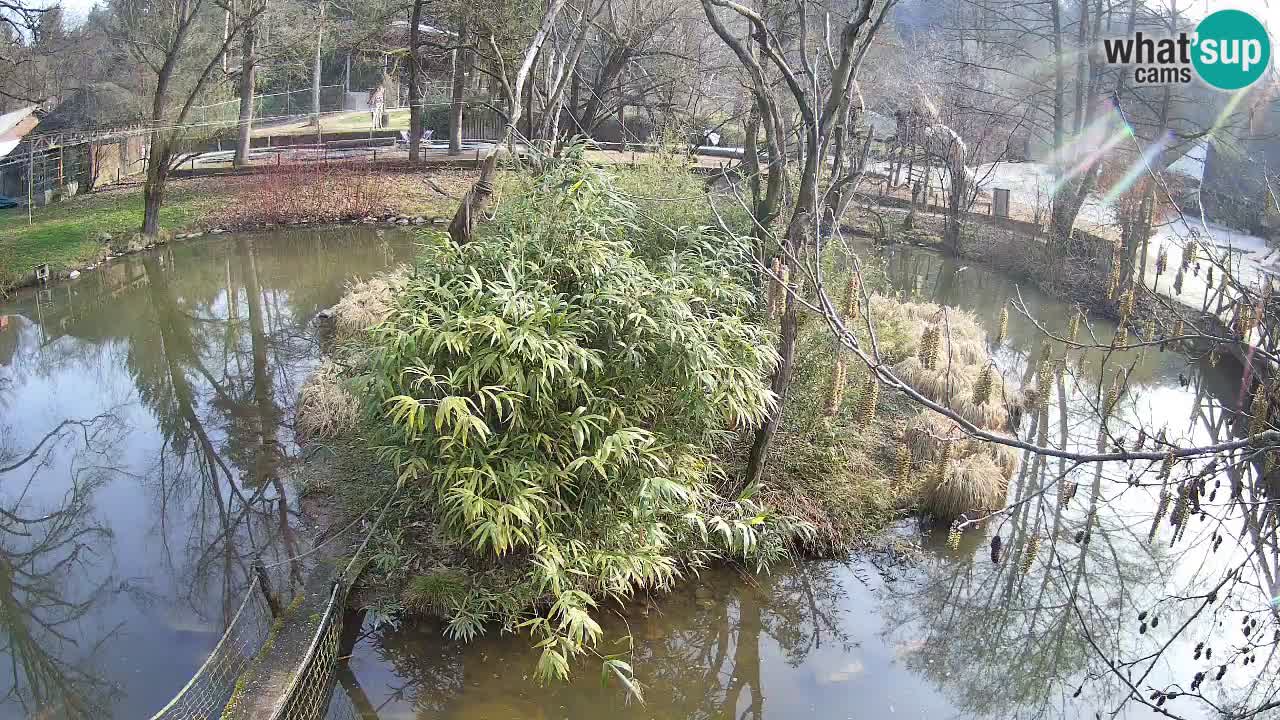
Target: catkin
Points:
(1068, 492)
(1258, 410)
(1161, 508)
(839, 377)
(851, 290)
(904, 464)
(1126, 305)
(784, 290)
(1073, 327)
(982, 389)
(953, 538)
(944, 459)
(1181, 513)
(1029, 553)
(929, 341)
(870, 397)
(1044, 382)
(1002, 330)
(1244, 320)
(1166, 467)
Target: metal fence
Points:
(271, 105)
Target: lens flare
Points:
(1124, 132)
(1139, 167)
(1227, 110)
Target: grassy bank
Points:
(80, 231)
(69, 234)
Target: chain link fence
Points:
(309, 694)
(271, 105)
(212, 686)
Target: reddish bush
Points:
(305, 193)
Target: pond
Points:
(146, 455)
(145, 448)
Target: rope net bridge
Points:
(280, 663)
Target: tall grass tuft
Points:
(326, 406)
(368, 303)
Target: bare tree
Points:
(165, 37)
(820, 87)
(248, 86)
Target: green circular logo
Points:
(1231, 49)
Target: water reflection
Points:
(44, 550)
(142, 552)
(726, 646)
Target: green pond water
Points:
(146, 456)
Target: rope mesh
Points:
(308, 696)
(211, 688)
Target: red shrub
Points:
(305, 193)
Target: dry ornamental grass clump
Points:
(976, 474)
(367, 303)
(326, 407)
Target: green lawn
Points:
(65, 234)
(344, 122)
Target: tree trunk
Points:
(806, 201)
(751, 166)
(462, 227)
(559, 77)
(248, 73)
(613, 66)
(527, 104)
(575, 92)
(456, 103)
(415, 102)
(153, 188)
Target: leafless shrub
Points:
(305, 193)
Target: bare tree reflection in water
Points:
(45, 597)
(202, 346)
(214, 391)
(701, 652)
(1093, 606)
